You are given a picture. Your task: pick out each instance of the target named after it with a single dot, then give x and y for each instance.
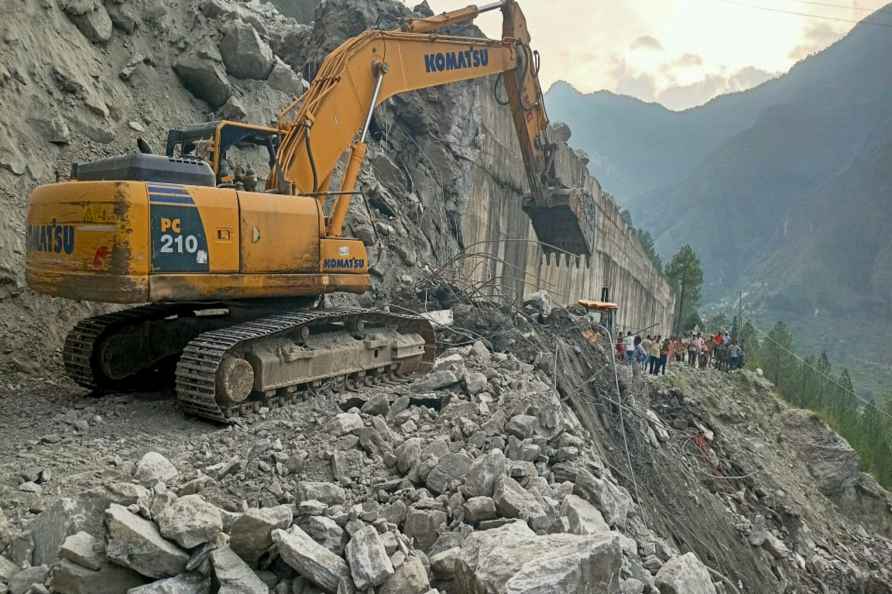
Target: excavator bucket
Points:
(564, 220)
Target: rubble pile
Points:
(474, 478)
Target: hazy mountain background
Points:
(784, 190)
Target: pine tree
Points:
(685, 276)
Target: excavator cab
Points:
(212, 142)
(606, 309)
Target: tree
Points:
(777, 356)
(647, 242)
(685, 276)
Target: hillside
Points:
(780, 199)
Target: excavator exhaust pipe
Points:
(563, 219)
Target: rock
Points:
(90, 18)
(451, 467)
(409, 578)
(283, 78)
(684, 574)
(484, 472)
(445, 563)
(408, 454)
(475, 382)
(514, 559)
(233, 109)
(368, 561)
(22, 580)
(312, 560)
(245, 54)
(513, 501)
(205, 79)
(187, 583)
(251, 533)
(7, 569)
(66, 516)
(377, 405)
(435, 380)
(522, 426)
(327, 493)
(326, 532)
(31, 487)
(479, 508)
(190, 521)
(423, 526)
(153, 468)
(70, 578)
(234, 575)
(124, 16)
(82, 548)
(613, 501)
(582, 516)
(136, 543)
(632, 586)
(343, 424)
(832, 462)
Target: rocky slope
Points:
(498, 472)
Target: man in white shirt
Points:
(629, 345)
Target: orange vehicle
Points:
(232, 268)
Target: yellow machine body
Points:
(138, 242)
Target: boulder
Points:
(70, 578)
(328, 493)
(684, 574)
(559, 132)
(312, 560)
(582, 516)
(284, 79)
(343, 423)
(187, 583)
(613, 501)
(436, 380)
(409, 578)
(190, 521)
(234, 575)
(136, 543)
(64, 517)
(90, 17)
(153, 468)
(82, 548)
(245, 54)
(7, 569)
(326, 532)
(522, 426)
(513, 501)
(445, 563)
(484, 472)
(21, 582)
(368, 561)
(408, 454)
(514, 559)
(830, 459)
(451, 467)
(479, 508)
(475, 382)
(251, 533)
(423, 525)
(205, 79)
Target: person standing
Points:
(693, 351)
(665, 355)
(629, 342)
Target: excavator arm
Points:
(364, 71)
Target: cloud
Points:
(679, 97)
(688, 61)
(629, 81)
(647, 42)
(817, 37)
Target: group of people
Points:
(653, 353)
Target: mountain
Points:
(782, 189)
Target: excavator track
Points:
(79, 352)
(198, 366)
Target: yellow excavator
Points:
(230, 270)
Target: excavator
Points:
(226, 273)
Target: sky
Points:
(680, 53)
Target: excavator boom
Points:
(368, 69)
